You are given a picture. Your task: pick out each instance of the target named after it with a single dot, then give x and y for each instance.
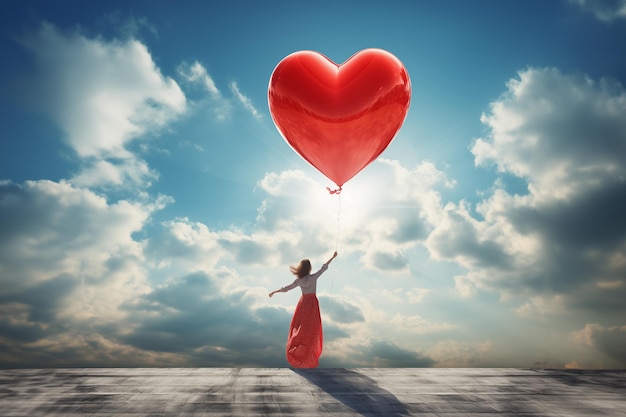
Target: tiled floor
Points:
(337, 392)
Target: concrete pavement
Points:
(443, 392)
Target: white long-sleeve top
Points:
(307, 284)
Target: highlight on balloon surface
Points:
(339, 117)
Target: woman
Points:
(304, 344)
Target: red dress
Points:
(304, 344)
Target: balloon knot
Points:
(337, 191)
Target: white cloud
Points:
(244, 100)
(50, 229)
(196, 74)
(82, 348)
(609, 340)
(605, 10)
(566, 137)
(129, 173)
(541, 307)
(103, 95)
(190, 245)
(561, 133)
(384, 211)
(193, 316)
(68, 260)
(185, 245)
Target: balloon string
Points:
(332, 281)
(338, 222)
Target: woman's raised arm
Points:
(333, 257)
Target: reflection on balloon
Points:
(339, 118)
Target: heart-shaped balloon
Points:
(339, 118)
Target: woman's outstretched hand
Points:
(334, 256)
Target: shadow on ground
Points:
(356, 391)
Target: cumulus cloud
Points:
(398, 209)
(48, 229)
(605, 10)
(32, 314)
(80, 348)
(566, 137)
(541, 307)
(190, 245)
(564, 134)
(384, 211)
(182, 244)
(68, 260)
(173, 317)
(340, 310)
(103, 95)
(610, 340)
(124, 172)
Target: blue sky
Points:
(148, 204)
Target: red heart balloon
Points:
(339, 118)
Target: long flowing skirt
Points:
(304, 344)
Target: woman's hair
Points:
(302, 270)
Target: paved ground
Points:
(337, 392)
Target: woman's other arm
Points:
(285, 288)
